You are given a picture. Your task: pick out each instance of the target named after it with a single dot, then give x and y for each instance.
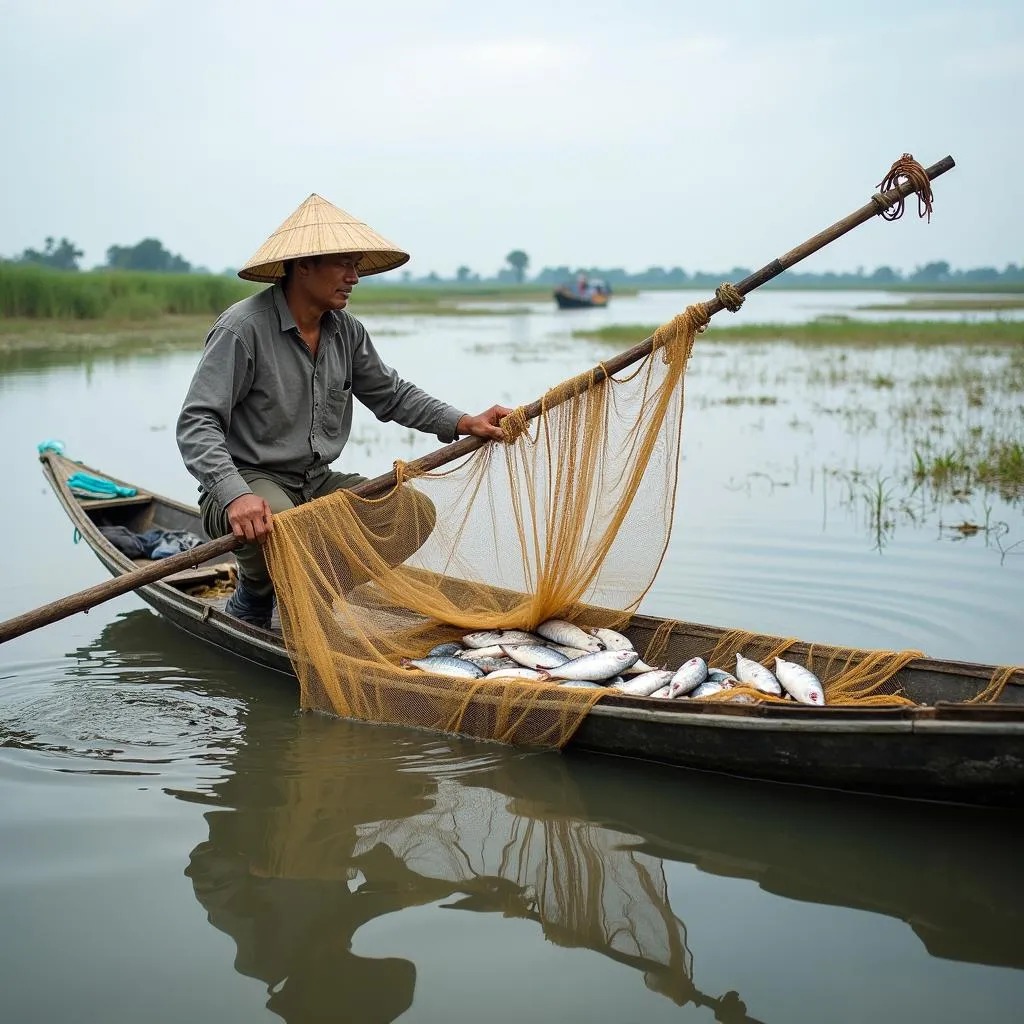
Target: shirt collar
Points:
(284, 313)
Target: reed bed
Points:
(39, 293)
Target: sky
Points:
(633, 134)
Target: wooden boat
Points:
(569, 298)
(940, 748)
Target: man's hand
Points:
(250, 519)
(484, 425)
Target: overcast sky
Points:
(611, 133)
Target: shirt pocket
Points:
(338, 399)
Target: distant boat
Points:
(597, 293)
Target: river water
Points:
(178, 843)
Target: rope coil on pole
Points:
(729, 296)
(909, 170)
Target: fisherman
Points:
(270, 404)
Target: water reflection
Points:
(317, 828)
(303, 854)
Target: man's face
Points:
(330, 281)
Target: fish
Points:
(719, 675)
(688, 677)
(569, 652)
(534, 656)
(638, 667)
(800, 682)
(445, 666)
(584, 684)
(558, 631)
(444, 650)
(754, 674)
(490, 665)
(644, 684)
(515, 673)
(612, 641)
(662, 693)
(484, 638)
(598, 666)
(708, 688)
(476, 653)
(492, 637)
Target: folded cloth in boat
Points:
(154, 543)
(86, 485)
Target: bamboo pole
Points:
(86, 599)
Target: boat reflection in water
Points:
(300, 863)
(323, 826)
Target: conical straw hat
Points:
(318, 228)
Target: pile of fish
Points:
(561, 652)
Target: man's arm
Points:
(222, 378)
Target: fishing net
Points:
(569, 518)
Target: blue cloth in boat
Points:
(86, 485)
(155, 543)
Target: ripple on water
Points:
(102, 722)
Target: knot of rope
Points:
(906, 169)
(514, 425)
(729, 296)
(401, 472)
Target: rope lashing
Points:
(729, 296)
(909, 170)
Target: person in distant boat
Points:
(269, 407)
(582, 285)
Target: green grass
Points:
(39, 293)
(834, 331)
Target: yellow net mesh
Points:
(569, 518)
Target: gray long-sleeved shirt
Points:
(260, 400)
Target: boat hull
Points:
(944, 750)
(568, 300)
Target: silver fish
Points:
(638, 667)
(534, 656)
(644, 684)
(800, 682)
(719, 675)
(662, 693)
(558, 631)
(515, 673)
(754, 674)
(584, 684)
(490, 665)
(443, 650)
(569, 652)
(484, 638)
(491, 637)
(445, 666)
(688, 677)
(709, 687)
(476, 653)
(598, 666)
(612, 641)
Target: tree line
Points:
(151, 255)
